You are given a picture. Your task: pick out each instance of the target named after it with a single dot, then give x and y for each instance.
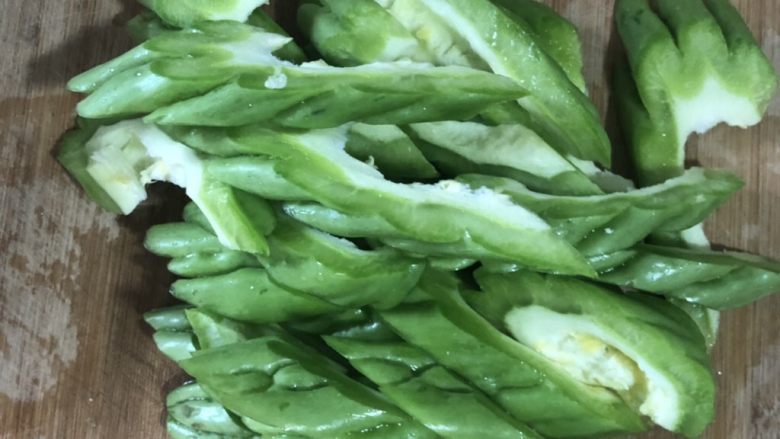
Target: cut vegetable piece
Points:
(391, 151)
(317, 163)
(511, 151)
(123, 158)
(195, 251)
(338, 181)
(174, 66)
(184, 13)
(597, 225)
(385, 147)
(309, 273)
(255, 175)
(433, 395)
(446, 256)
(286, 389)
(172, 332)
(480, 34)
(192, 413)
(231, 73)
(557, 35)
(655, 159)
(213, 330)
(718, 280)
(337, 223)
(73, 156)
(642, 348)
(334, 269)
(181, 239)
(147, 25)
(243, 82)
(695, 64)
(351, 33)
(524, 383)
(314, 95)
(249, 295)
(211, 264)
(603, 224)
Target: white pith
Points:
(596, 357)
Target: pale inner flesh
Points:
(595, 357)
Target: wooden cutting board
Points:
(76, 361)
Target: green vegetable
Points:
(195, 251)
(172, 332)
(180, 239)
(385, 147)
(694, 64)
(413, 380)
(213, 331)
(603, 224)
(192, 413)
(557, 35)
(185, 13)
(512, 151)
(442, 256)
(308, 273)
(74, 157)
(373, 226)
(340, 224)
(173, 66)
(233, 78)
(391, 151)
(473, 33)
(644, 349)
(451, 264)
(358, 324)
(355, 32)
(527, 385)
(334, 269)
(718, 280)
(286, 389)
(707, 319)
(147, 25)
(124, 157)
(435, 396)
(316, 163)
(210, 264)
(291, 51)
(249, 295)
(168, 319)
(246, 172)
(315, 95)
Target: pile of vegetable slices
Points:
(407, 226)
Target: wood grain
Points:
(76, 360)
